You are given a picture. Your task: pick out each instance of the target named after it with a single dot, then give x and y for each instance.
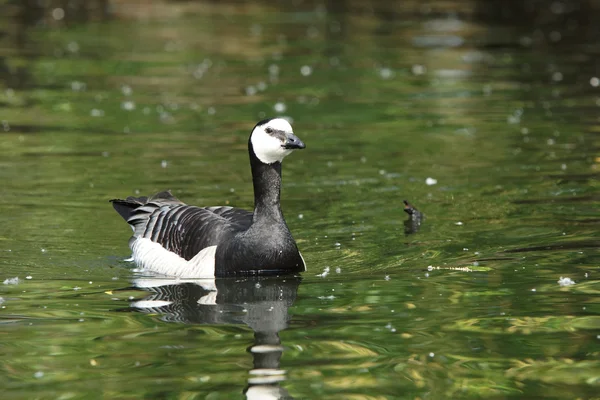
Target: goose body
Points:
(175, 239)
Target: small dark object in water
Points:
(415, 217)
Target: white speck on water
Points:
(557, 76)
(426, 274)
(563, 167)
(566, 281)
(326, 297)
(126, 90)
(164, 163)
(73, 47)
(95, 112)
(58, 14)
(595, 81)
(81, 319)
(38, 375)
(251, 91)
(306, 70)
(555, 36)
(90, 282)
(11, 281)
(115, 278)
(29, 277)
(418, 69)
(459, 223)
(76, 288)
(280, 107)
(262, 86)
(338, 270)
(78, 86)
(465, 249)
(475, 263)
(430, 268)
(211, 111)
(300, 216)
(325, 273)
(337, 244)
(257, 285)
(533, 290)
(432, 354)
(273, 69)
(430, 181)
(386, 73)
(128, 105)
(550, 142)
(387, 278)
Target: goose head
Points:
(273, 139)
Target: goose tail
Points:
(127, 207)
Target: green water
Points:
(482, 115)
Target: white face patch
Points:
(268, 148)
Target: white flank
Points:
(266, 147)
(153, 257)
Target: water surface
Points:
(484, 115)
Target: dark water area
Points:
(483, 114)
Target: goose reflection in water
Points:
(260, 303)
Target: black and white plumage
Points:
(172, 238)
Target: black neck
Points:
(267, 188)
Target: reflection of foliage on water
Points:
(480, 96)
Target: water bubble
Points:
(338, 270)
(595, 81)
(280, 107)
(262, 86)
(418, 69)
(29, 277)
(431, 181)
(555, 36)
(211, 111)
(73, 47)
(557, 7)
(386, 73)
(557, 76)
(128, 105)
(274, 69)
(300, 216)
(250, 91)
(164, 163)
(95, 112)
(58, 14)
(306, 70)
(78, 86)
(38, 375)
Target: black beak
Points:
(293, 142)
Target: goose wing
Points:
(179, 228)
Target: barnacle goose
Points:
(172, 238)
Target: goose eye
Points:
(269, 130)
